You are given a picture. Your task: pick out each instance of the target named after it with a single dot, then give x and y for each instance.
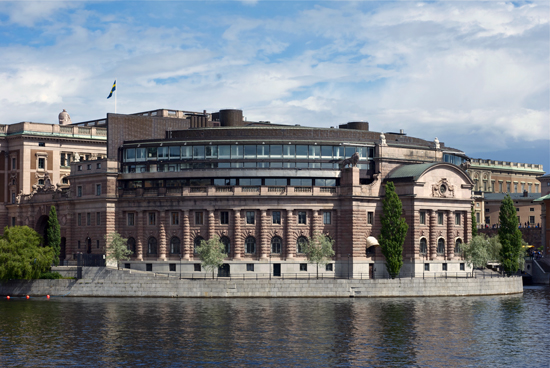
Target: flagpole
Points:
(116, 94)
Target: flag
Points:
(112, 90)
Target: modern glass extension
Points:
(292, 156)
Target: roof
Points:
(410, 171)
(542, 198)
(514, 196)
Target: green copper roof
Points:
(542, 198)
(410, 171)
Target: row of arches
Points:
(249, 245)
(440, 246)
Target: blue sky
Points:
(475, 74)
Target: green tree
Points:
(476, 251)
(21, 256)
(474, 222)
(493, 248)
(510, 236)
(53, 235)
(117, 248)
(394, 231)
(212, 253)
(318, 250)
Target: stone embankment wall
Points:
(102, 282)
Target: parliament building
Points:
(167, 179)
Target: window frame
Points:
(327, 218)
(224, 217)
(199, 218)
(130, 219)
(250, 217)
(302, 218)
(276, 217)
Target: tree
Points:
(474, 222)
(212, 253)
(318, 250)
(510, 236)
(476, 251)
(117, 248)
(394, 231)
(21, 256)
(53, 235)
(493, 248)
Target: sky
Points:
(475, 74)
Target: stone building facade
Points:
(172, 178)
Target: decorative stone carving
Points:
(76, 157)
(383, 140)
(465, 165)
(437, 145)
(443, 189)
(64, 118)
(352, 161)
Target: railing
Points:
(327, 190)
(66, 130)
(276, 189)
(150, 192)
(173, 191)
(224, 189)
(250, 189)
(302, 189)
(84, 131)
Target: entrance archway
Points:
(41, 227)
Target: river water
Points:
(386, 332)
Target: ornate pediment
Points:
(443, 189)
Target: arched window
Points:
(440, 246)
(301, 243)
(197, 242)
(371, 251)
(250, 245)
(423, 246)
(131, 244)
(152, 245)
(458, 246)
(276, 245)
(175, 245)
(226, 243)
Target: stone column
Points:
(239, 250)
(289, 238)
(432, 249)
(264, 249)
(162, 236)
(140, 223)
(450, 236)
(186, 247)
(315, 222)
(211, 224)
(467, 227)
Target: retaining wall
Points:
(104, 282)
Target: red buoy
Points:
(8, 297)
(27, 297)
(47, 296)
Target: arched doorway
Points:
(42, 227)
(63, 246)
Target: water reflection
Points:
(389, 332)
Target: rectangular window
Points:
(500, 187)
(41, 163)
(79, 191)
(97, 244)
(172, 267)
(276, 216)
(515, 187)
(224, 217)
(426, 266)
(457, 218)
(303, 266)
(250, 267)
(98, 165)
(370, 218)
(327, 218)
(89, 166)
(149, 267)
(199, 218)
(444, 266)
(531, 209)
(302, 218)
(531, 219)
(98, 218)
(328, 267)
(508, 187)
(250, 217)
(152, 218)
(12, 197)
(197, 267)
(537, 187)
(440, 218)
(88, 219)
(78, 244)
(79, 168)
(98, 189)
(462, 268)
(174, 218)
(13, 221)
(422, 218)
(130, 217)
(13, 163)
(79, 219)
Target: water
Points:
(390, 332)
